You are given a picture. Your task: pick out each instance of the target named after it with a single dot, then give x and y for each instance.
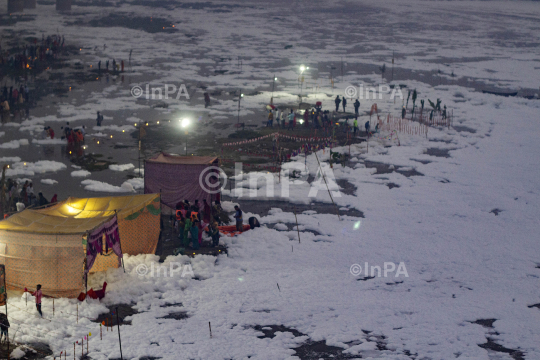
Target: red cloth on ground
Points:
(97, 294)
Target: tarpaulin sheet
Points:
(179, 178)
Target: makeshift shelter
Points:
(54, 246)
(178, 178)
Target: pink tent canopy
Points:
(181, 177)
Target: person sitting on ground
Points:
(33, 201)
(238, 217)
(4, 327)
(20, 206)
(253, 222)
(41, 199)
(54, 199)
(213, 231)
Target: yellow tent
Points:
(45, 246)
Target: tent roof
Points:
(164, 158)
(99, 207)
(31, 221)
(75, 215)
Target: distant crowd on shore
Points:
(316, 117)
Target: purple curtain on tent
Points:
(178, 182)
(94, 245)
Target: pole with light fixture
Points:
(239, 99)
(302, 69)
(273, 84)
(185, 123)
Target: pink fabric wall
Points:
(177, 182)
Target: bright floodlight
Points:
(241, 95)
(275, 78)
(302, 68)
(185, 122)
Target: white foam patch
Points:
(99, 186)
(48, 181)
(121, 167)
(49, 141)
(30, 169)
(80, 173)
(14, 144)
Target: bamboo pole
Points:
(119, 339)
(324, 178)
(297, 228)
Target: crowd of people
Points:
(22, 57)
(116, 66)
(192, 219)
(73, 136)
(13, 99)
(19, 198)
(317, 118)
(19, 58)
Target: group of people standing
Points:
(314, 117)
(74, 136)
(13, 99)
(115, 65)
(25, 57)
(282, 118)
(343, 101)
(18, 200)
(191, 221)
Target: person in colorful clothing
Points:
(38, 294)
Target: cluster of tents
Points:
(57, 246)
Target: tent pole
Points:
(5, 287)
(122, 258)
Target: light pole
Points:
(302, 69)
(185, 123)
(273, 84)
(239, 99)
